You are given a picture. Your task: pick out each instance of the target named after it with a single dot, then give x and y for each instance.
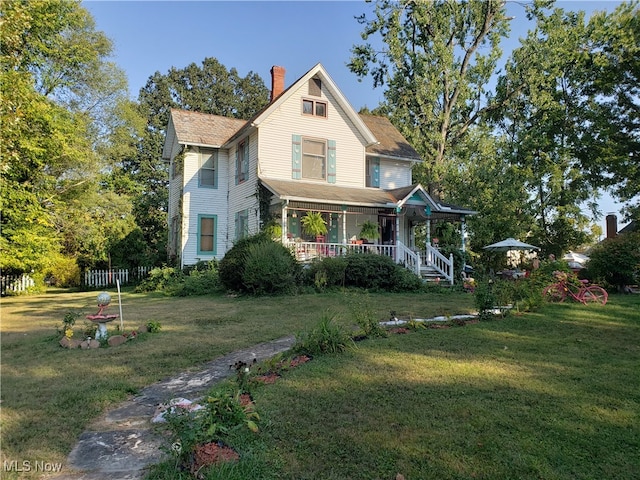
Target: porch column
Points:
(344, 225)
(463, 229)
(284, 213)
(397, 254)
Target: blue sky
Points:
(153, 36)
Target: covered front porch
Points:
(395, 215)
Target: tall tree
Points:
(437, 60)
(208, 88)
(563, 129)
(53, 69)
(611, 142)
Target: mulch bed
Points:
(211, 453)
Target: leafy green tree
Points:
(57, 90)
(437, 62)
(563, 129)
(207, 88)
(611, 140)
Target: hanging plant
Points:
(369, 230)
(314, 224)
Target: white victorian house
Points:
(308, 150)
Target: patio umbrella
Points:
(510, 244)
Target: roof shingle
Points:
(197, 128)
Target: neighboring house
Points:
(306, 151)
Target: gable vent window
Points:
(314, 107)
(315, 87)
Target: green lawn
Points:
(550, 395)
(553, 394)
(50, 394)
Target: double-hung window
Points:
(207, 234)
(242, 224)
(314, 159)
(208, 173)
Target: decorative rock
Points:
(94, 344)
(84, 345)
(116, 340)
(68, 343)
(143, 329)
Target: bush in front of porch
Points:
(361, 270)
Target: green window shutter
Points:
(296, 157)
(375, 177)
(236, 162)
(245, 160)
(237, 225)
(331, 162)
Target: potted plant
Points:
(314, 224)
(369, 230)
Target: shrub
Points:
(485, 300)
(616, 261)
(64, 272)
(231, 267)
(328, 272)
(378, 272)
(269, 268)
(365, 316)
(326, 337)
(202, 279)
(161, 279)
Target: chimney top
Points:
(612, 225)
(277, 81)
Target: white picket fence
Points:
(107, 278)
(15, 283)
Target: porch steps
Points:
(431, 275)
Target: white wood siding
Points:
(276, 131)
(243, 196)
(203, 201)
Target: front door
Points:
(388, 227)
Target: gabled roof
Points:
(215, 131)
(319, 71)
(391, 143)
(203, 129)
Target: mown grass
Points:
(50, 394)
(553, 395)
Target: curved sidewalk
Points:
(122, 442)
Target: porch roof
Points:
(302, 191)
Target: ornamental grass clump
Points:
(325, 337)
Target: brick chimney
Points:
(612, 225)
(277, 81)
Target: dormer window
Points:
(314, 107)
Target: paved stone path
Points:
(122, 443)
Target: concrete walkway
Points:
(122, 443)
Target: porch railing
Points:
(409, 258)
(430, 258)
(307, 251)
(436, 260)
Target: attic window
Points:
(314, 107)
(315, 87)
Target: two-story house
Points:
(308, 150)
